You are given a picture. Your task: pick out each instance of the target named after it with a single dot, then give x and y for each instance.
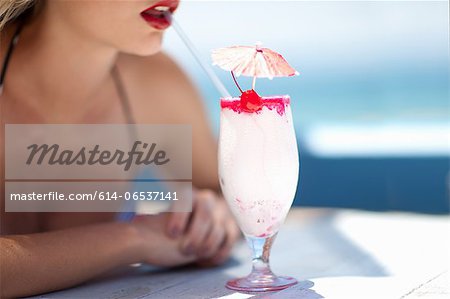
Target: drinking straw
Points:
(206, 67)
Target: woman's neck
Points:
(61, 67)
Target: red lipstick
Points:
(158, 15)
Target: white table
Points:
(333, 253)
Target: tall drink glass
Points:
(258, 169)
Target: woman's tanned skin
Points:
(60, 72)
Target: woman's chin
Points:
(148, 46)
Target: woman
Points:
(100, 62)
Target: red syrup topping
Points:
(278, 103)
(263, 235)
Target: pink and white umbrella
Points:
(253, 61)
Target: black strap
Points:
(11, 47)
(123, 96)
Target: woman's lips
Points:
(158, 15)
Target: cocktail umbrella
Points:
(254, 61)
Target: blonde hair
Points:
(11, 9)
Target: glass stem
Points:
(261, 251)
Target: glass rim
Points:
(286, 98)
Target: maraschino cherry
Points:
(250, 100)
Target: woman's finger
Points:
(213, 242)
(177, 223)
(232, 235)
(200, 224)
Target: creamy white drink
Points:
(258, 163)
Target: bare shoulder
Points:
(157, 83)
(159, 65)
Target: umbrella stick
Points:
(235, 81)
(208, 70)
(254, 82)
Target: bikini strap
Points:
(11, 47)
(123, 96)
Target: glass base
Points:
(261, 284)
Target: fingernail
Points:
(219, 259)
(203, 252)
(188, 250)
(174, 232)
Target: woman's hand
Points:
(155, 247)
(208, 233)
